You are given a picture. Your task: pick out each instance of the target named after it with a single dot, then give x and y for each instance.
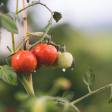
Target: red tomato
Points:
(46, 54)
(24, 61)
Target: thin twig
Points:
(13, 42)
(91, 93)
(16, 6)
(35, 3)
(75, 108)
(13, 37)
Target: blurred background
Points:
(86, 30)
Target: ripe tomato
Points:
(65, 59)
(46, 54)
(24, 61)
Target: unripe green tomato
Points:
(65, 59)
(39, 105)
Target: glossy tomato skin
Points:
(24, 61)
(65, 59)
(46, 54)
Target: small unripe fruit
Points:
(65, 59)
(24, 61)
(45, 54)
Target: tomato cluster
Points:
(26, 61)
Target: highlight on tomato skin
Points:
(24, 61)
(45, 54)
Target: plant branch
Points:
(13, 37)
(13, 42)
(91, 93)
(26, 81)
(35, 3)
(75, 108)
(16, 6)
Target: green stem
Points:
(91, 93)
(13, 38)
(75, 108)
(13, 42)
(47, 28)
(36, 3)
(16, 6)
(89, 89)
(27, 83)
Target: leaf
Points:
(110, 99)
(20, 96)
(89, 79)
(8, 75)
(57, 16)
(8, 23)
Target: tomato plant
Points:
(27, 58)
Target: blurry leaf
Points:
(8, 23)
(89, 79)
(21, 96)
(8, 75)
(57, 16)
(110, 99)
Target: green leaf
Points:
(8, 23)
(8, 75)
(57, 16)
(89, 79)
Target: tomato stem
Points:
(13, 37)
(13, 42)
(26, 81)
(16, 6)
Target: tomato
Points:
(65, 59)
(46, 54)
(24, 61)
